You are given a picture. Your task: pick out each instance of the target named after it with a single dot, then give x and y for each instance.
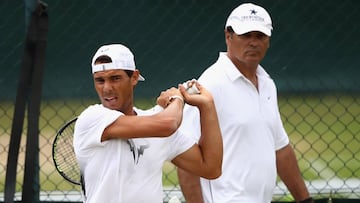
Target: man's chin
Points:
(111, 106)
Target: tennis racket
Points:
(63, 153)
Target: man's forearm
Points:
(289, 173)
(211, 139)
(190, 186)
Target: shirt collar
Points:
(233, 73)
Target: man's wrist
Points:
(172, 98)
(308, 200)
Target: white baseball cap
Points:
(250, 17)
(121, 58)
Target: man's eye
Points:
(99, 80)
(261, 36)
(116, 78)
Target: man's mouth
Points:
(252, 51)
(109, 99)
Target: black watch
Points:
(308, 200)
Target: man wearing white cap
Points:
(256, 146)
(121, 149)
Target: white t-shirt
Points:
(121, 170)
(252, 131)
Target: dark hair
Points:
(229, 29)
(102, 59)
(106, 59)
(129, 73)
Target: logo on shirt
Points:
(137, 147)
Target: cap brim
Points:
(141, 78)
(251, 28)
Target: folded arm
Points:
(205, 158)
(162, 124)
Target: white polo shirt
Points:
(122, 170)
(252, 131)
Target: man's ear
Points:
(135, 77)
(228, 35)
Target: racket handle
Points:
(191, 89)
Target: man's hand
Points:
(167, 96)
(200, 99)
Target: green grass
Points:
(324, 130)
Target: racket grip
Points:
(191, 89)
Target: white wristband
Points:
(176, 97)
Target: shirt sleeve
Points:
(190, 124)
(90, 126)
(179, 143)
(281, 137)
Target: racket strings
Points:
(64, 155)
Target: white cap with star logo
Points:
(249, 17)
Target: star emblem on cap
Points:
(253, 12)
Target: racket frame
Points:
(57, 137)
